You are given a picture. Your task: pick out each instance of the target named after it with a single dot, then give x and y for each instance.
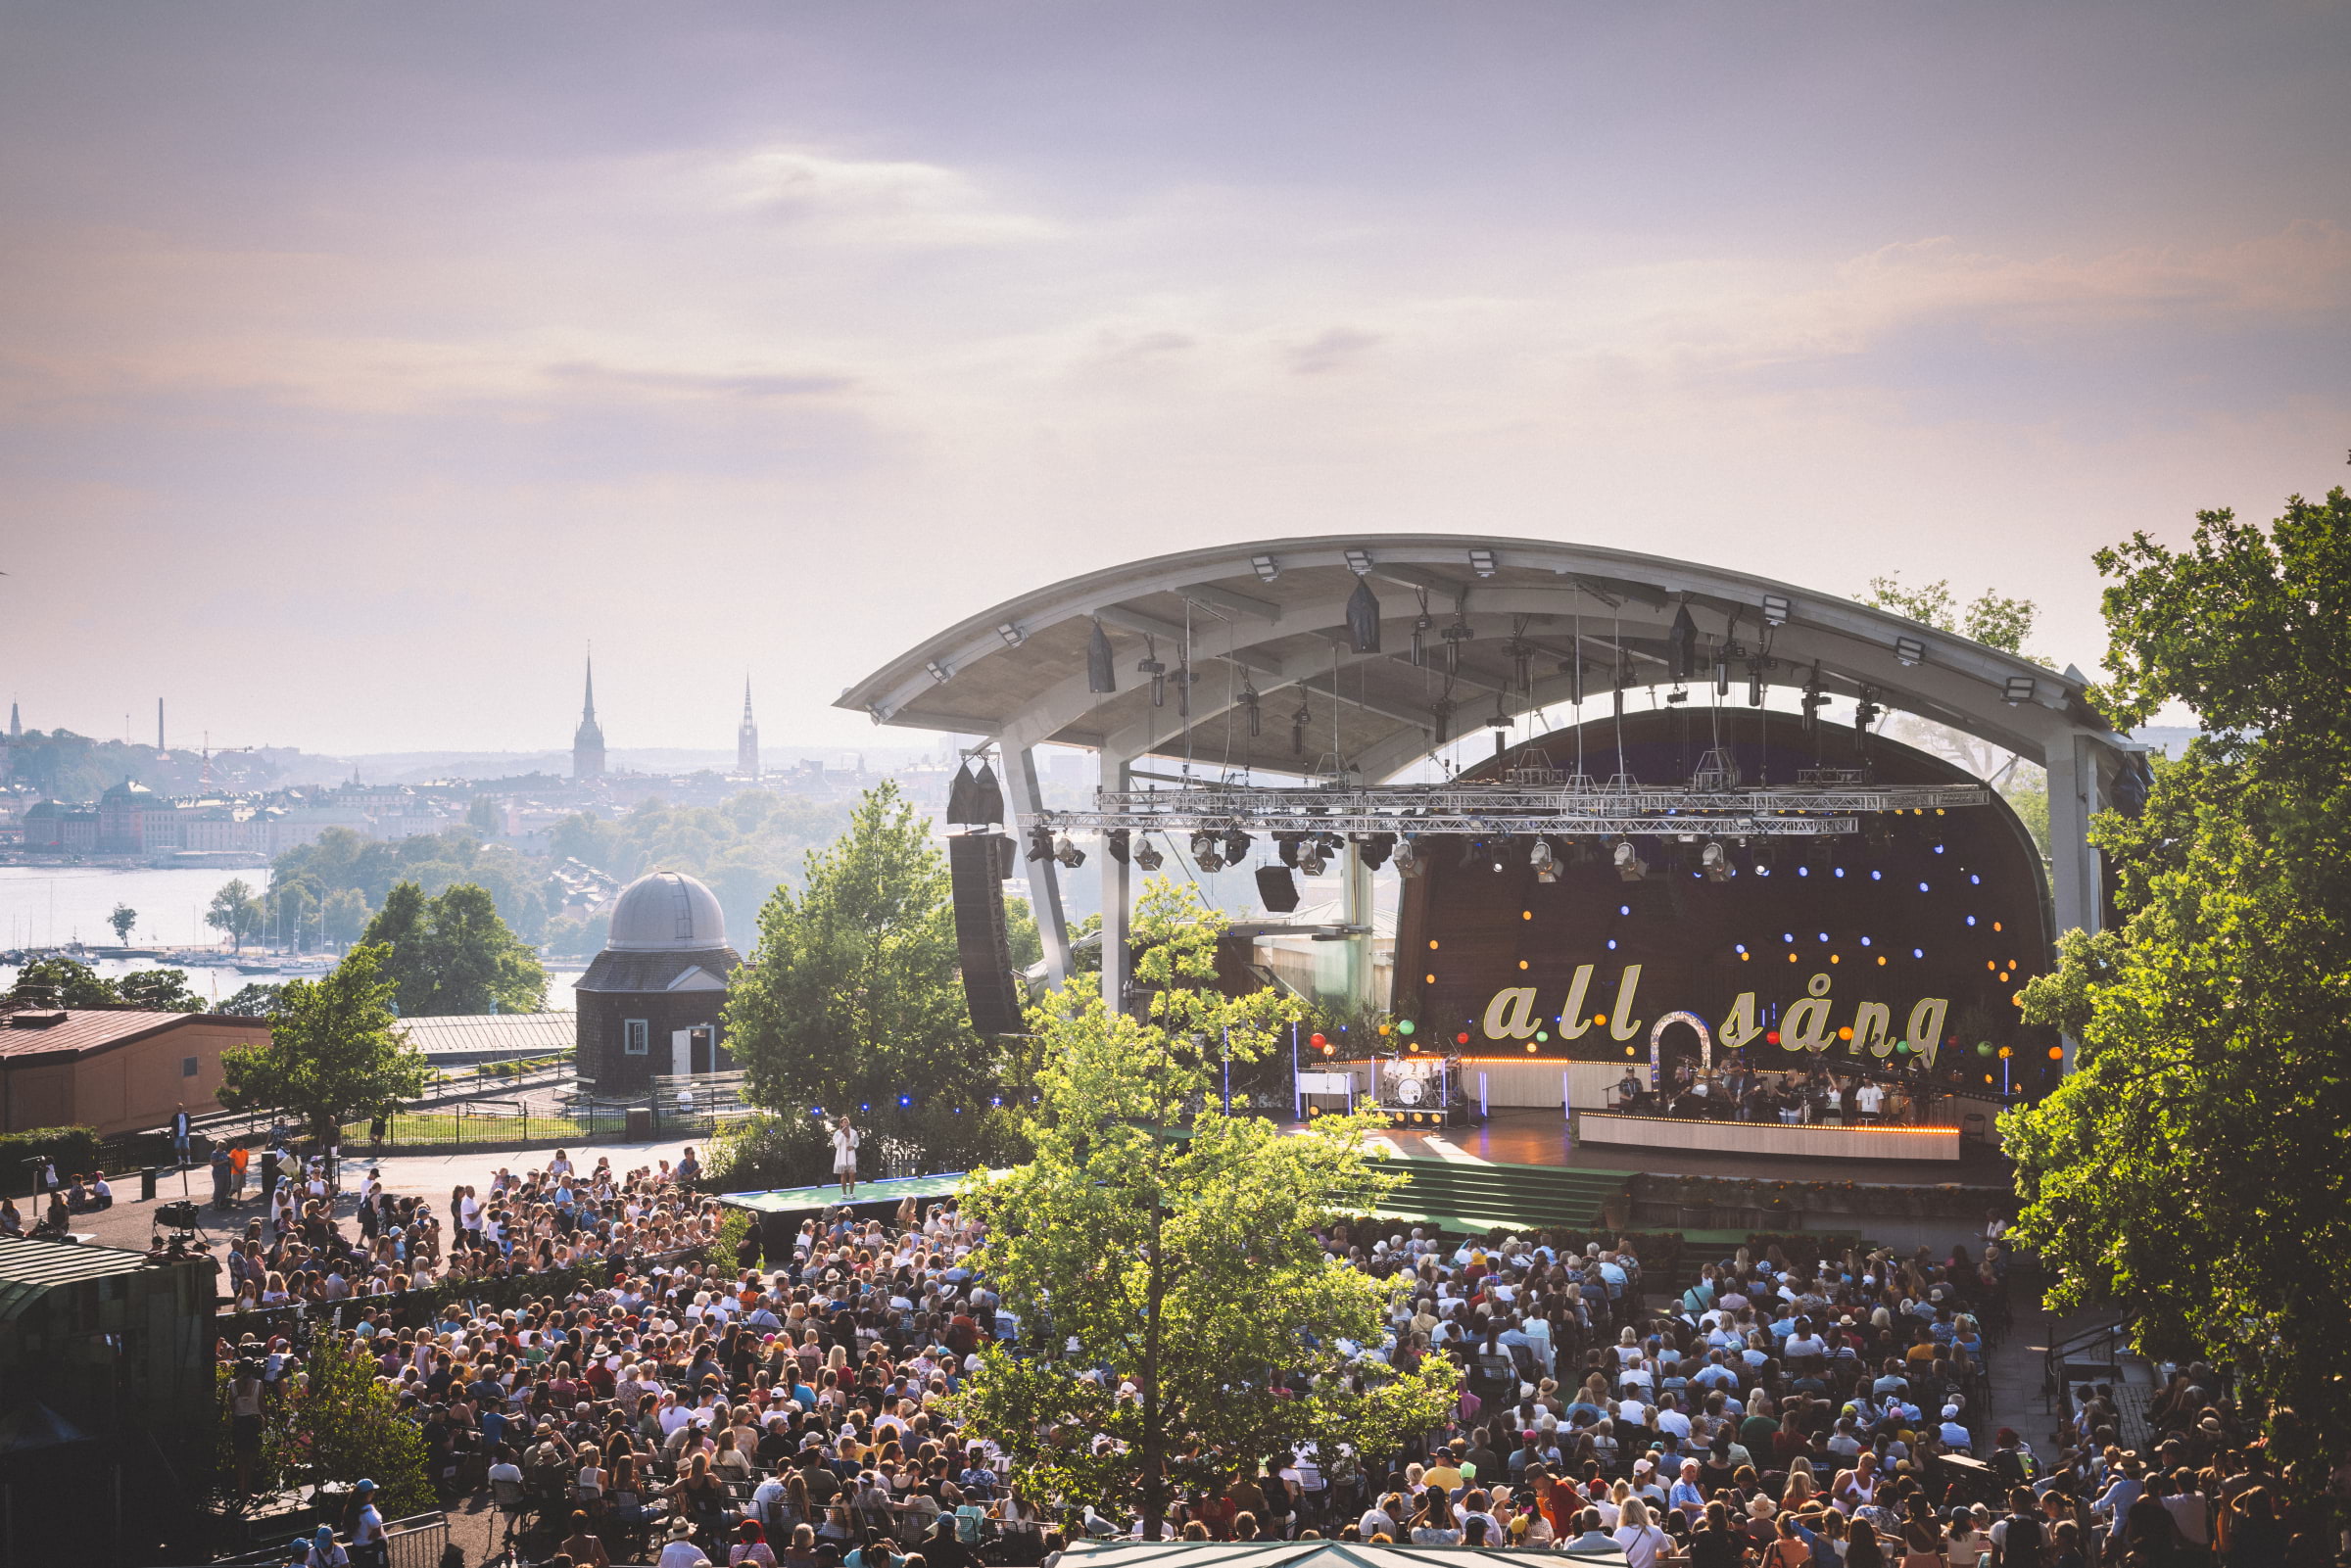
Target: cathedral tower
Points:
(587, 741)
(746, 739)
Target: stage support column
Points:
(1114, 896)
(1354, 909)
(2075, 886)
(1045, 875)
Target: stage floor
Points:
(1540, 1138)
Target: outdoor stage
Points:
(1518, 1137)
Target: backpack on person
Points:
(2023, 1543)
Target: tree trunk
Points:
(1153, 1443)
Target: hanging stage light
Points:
(1068, 854)
(1407, 859)
(1298, 722)
(1754, 682)
(1236, 845)
(1814, 700)
(1455, 636)
(1100, 672)
(1422, 624)
(1151, 666)
(1723, 669)
(1373, 849)
(1276, 889)
(1311, 858)
(1115, 841)
(1285, 844)
(1206, 841)
(1147, 856)
(1041, 843)
(1545, 861)
(1363, 617)
(1714, 863)
(1626, 858)
(1249, 701)
(1681, 644)
(1440, 715)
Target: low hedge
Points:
(72, 1149)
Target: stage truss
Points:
(1578, 810)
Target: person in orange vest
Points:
(238, 1158)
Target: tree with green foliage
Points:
(335, 1049)
(743, 849)
(122, 918)
(55, 981)
(345, 916)
(235, 913)
(853, 994)
(2194, 1167)
(1990, 619)
(252, 1002)
(486, 817)
(452, 954)
(338, 1424)
(343, 860)
(1171, 1290)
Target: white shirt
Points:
(680, 1554)
(1641, 1548)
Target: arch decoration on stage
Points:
(1345, 661)
(1656, 1047)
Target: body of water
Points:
(49, 905)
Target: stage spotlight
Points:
(1276, 889)
(1207, 850)
(1546, 863)
(1236, 845)
(1041, 843)
(1310, 859)
(1713, 863)
(1116, 842)
(1068, 854)
(1148, 857)
(1376, 848)
(1627, 861)
(1329, 843)
(1407, 859)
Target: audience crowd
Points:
(1780, 1411)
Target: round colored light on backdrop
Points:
(1317, 1041)
(1461, 1039)
(1403, 1027)
(2056, 1053)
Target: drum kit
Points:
(1424, 1091)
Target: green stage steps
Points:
(1471, 1199)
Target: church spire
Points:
(746, 739)
(587, 741)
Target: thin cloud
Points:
(1333, 350)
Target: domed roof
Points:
(666, 911)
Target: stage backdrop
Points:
(1917, 934)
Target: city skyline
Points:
(358, 373)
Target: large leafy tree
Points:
(335, 1049)
(235, 913)
(122, 918)
(67, 982)
(339, 1424)
(452, 954)
(1171, 1292)
(2196, 1165)
(853, 995)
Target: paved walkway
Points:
(131, 1224)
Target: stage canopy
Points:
(1356, 657)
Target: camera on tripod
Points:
(181, 1215)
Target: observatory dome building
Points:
(649, 1004)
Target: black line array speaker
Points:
(1277, 888)
(976, 867)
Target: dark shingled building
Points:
(649, 1004)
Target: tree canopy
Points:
(235, 913)
(344, 863)
(743, 849)
(55, 981)
(2194, 1166)
(452, 954)
(1171, 1290)
(853, 994)
(335, 1049)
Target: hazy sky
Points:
(359, 364)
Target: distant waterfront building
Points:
(649, 1004)
(587, 741)
(746, 739)
(119, 812)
